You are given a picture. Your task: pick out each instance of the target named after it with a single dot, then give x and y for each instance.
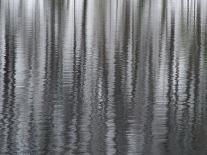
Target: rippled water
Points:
(103, 77)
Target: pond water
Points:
(103, 77)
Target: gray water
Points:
(103, 77)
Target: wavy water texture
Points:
(103, 77)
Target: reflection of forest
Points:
(103, 76)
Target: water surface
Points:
(103, 77)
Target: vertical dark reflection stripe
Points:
(8, 107)
(120, 67)
(50, 84)
(149, 90)
(197, 51)
(171, 107)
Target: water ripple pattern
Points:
(95, 77)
